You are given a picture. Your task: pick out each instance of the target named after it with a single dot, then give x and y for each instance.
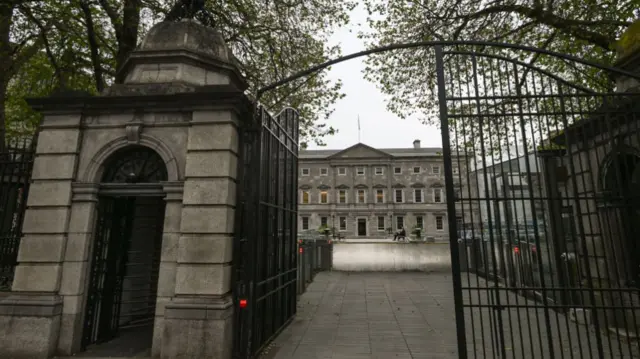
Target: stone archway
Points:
(125, 259)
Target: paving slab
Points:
(411, 315)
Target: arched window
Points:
(135, 164)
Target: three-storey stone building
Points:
(366, 192)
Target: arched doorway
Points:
(621, 184)
(125, 259)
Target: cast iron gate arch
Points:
(526, 265)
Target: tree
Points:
(272, 40)
(585, 29)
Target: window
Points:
(380, 223)
(342, 171)
(437, 195)
(459, 223)
(417, 196)
(342, 196)
(305, 223)
(455, 170)
(379, 196)
(305, 171)
(398, 196)
(360, 171)
(324, 171)
(379, 170)
(343, 223)
(416, 169)
(324, 197)
(399, 222)
(420, 222)
(305, 197)
(397, 170)
(362, 196)
(439, 223)
(323, 221)
(435, 170)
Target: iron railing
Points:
(266, 251)
(16, 165)
(542, 152)
(313, 256)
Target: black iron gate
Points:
(265, 256)
(16, 165)
(545, 174)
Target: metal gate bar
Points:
(543, 176)
(265, 250)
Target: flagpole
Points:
(358, 128)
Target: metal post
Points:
(451, 208)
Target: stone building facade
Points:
(365, 192)
(167, 138)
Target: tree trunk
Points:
(128, 35)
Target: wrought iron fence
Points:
(266, 251)
(16, 165)
(314, 256)
(542, 153)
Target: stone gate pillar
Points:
(182, 99)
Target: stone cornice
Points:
(204, 97)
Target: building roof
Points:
(360, 150)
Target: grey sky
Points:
(379, 127)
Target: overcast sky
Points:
(379, 127)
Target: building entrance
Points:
(362, 227)
(124, 272)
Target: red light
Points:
(243, 303)
(300, 249)
(516, 250)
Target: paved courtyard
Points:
(411, 315)
(372, 315)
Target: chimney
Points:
(416, 144)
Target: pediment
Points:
(437, 185)
(379, 186)
(305, 187)
(342, 186)
(360, 186)
(360, 150)
(398, 185)
(417, 185)
(323, 187)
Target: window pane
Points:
(323, 221)
(399, 222)
(437, 195)
(416, 169)
(439, 223)
(419, 222)
(397, 170)
(342, 170)
(379, 196)
(342, 196)
(361, 196)
(305, 197)
(324, 197)
(305, 223)
(436, 170)
(398, 195)
(381, 223)
(418, 195)
(343, 223)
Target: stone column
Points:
(202, 305)
(30, 317)
(76, 265)
(169, 259)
